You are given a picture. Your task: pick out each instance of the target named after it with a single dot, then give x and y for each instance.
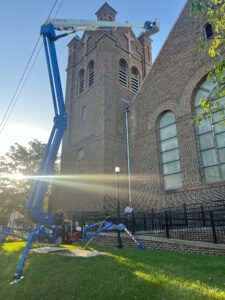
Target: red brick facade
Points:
(169, 86)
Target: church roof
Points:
(106, 6)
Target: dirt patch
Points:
(67, 252)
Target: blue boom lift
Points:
(48, 224)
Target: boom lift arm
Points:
(34, 204)
(150, 27)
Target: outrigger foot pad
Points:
(16, 280)
(140, 246)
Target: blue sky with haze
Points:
(20, 25)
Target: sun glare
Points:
(17, 176)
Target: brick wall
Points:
(102, 136)
(154, 243)
(170, 85)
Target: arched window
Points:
(135, 79)
(170, 157)
(210, 137)
(91, 73)
(123, 70)
(81, 81)
(208, 30)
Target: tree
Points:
(213, 14)
(20, 160)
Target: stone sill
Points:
(193, 188)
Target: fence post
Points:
(82, 223)
(133, 222)
(144, 219)
(203, 215)
(152, 213)
(185, 214)
(213, 227)
(167, 225)
(170, 219)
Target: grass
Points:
(120, 274)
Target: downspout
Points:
(126, 109)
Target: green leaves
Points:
(205, 103)
(19, 159)
(199, 7)
(212, 12)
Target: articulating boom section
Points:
(107, 226)
(150, 27)
(35, 202)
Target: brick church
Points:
(125, 111)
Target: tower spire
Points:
(106, 13)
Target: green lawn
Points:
(121, 274)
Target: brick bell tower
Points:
(104, 67)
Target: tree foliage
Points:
(18, 160)
(212, 12)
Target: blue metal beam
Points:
(34, 204)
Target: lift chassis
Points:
(48, 224)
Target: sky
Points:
(32, 116)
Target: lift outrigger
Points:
(17, 233)
(48, 224)
(107, 226)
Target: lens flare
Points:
(17, 176)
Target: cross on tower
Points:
(129, 40)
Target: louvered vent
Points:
(81, 81)
(91, 73)
(135, 80)
(123, 73)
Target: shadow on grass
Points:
(190, 276)
(120, 274)
(191, 285)
(188, 265)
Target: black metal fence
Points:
(198, 222)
